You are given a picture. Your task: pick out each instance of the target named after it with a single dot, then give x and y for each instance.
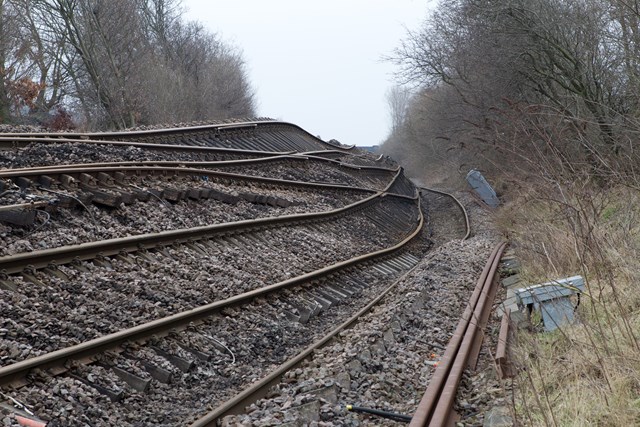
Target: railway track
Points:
(143, 324)
(206, 143)
(262, 136)
(259, 389)
(298, 307)
(436, 406)
(287, 168)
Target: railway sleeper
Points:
(20, 217)
(46, 181)
(102, 261)
(156, 372)
(266, 200)
(196, 248)
(113, 395)
(102, 198)
(340, 292)
(290, 316)
(305, 315)
(358, 283)
(173, 195)
(326, 294)
(8, 285)
(128, 198)
(53, 270)
(23, 182)
(324, 303)
(312, 305)
(182, 364)
(224, 197)
(135, 382)
(200, 355)
(29, 274)
(195, 194)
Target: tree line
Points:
(535, 86)
(115, 64)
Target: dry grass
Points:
(588, 373)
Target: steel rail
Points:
(215, 163)
(256, 390)
(459, 203)
(360, 156)
(351, 165)
(16, 173)
(96, 346)
(20, 141)
(188, 129)
(501, 357)
(22, 206)
(13, 264)
(436, 404)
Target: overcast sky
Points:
(317, 63)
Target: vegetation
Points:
(115, 64)
(543, 97)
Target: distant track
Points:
(460, 205)
(266, 136)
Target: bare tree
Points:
(120, 63)
(568, 61)
(398, 102)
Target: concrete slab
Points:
(510, 281)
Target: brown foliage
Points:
(60, 120)
(23, 92)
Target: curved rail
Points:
(20, 141)
(160, 326)
(255, 390)
(39, 259)
(437, 403)
(216, 129)
(13, 264)
(236, 162)
(219, 163)
(459, 203)
(81, 169)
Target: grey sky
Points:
(317, 63)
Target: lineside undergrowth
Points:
(587, 373)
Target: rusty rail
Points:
(459, 203)
(159, 327)
(435, 408)
(501, 358)
(252, 393)
(210, 164)
(160, 170)
(160, 133)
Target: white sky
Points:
(317, 63)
